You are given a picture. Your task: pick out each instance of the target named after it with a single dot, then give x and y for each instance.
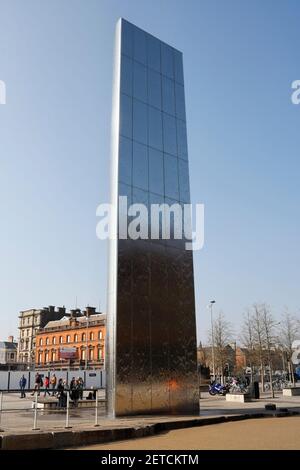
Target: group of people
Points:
(59, 388)
(76, 391)
(39, 384)
(45, 384)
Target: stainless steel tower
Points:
(151, 333)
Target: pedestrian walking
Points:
(37, 384)
(53, 382)
(46, 386)
(22, 383)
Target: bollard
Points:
(1, 401)
(255, 391)
(96, 410)
(67, 426)
(35, 428)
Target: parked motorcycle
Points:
(216, 388)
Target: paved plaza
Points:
(17, 415)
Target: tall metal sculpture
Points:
(151, 333)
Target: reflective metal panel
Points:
(167, 60)
(140, 127)
(139, 81)
(153, 50)
(155, 137)
(181, 139)
(154, 88)
(151, 339)
(140, 166)
(170, 137)
(168, 95)
(156, 172)
(171, 176)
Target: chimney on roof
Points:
(90, 311)
(61, 310)
(51, 308)
(10, 339)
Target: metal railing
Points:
(64, 404)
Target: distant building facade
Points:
(242, 358)
(237, 359)
(72, 342)
(234, 359)
(8, 352)
(30, 322)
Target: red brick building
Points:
(72, 342)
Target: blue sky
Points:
(240, 59)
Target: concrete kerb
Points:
(76, 438)
(27, 441)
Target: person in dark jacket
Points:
(80, 387)
(22, 383)
(72, 384)
(61, 394)
(74, 392)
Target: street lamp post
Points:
(87, 340)
(211, 303)
(270, 360)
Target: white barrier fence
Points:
(9, 380)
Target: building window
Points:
(41, 342)
(47, 340)
(100, 354)
(46, 357)
(91, 354)
(54, 340)
(68, 338)
(12, 356)
(91, 336)
(60, 339)
(100, 335)
(53, 356)
(82, 354)
(83, 337)
(39, 359)
(75, 338)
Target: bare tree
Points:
(259, 340)
(268, 323)
(247, 340)
(288, 333)
(221, 340)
